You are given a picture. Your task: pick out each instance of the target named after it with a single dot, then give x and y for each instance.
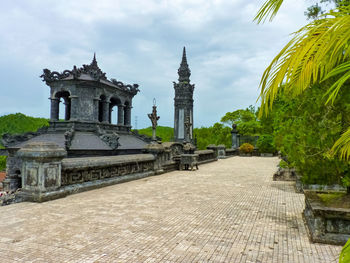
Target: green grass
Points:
(166, 133)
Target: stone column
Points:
(105, 111)
(121, 114)
(54, 109)
(127, 116)
(41, 170)
(67, 109)
(74, 109)
(95, 105)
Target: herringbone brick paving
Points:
(228, 211)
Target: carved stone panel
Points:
(51, 175)
(32, 176)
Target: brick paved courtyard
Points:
(228, 211)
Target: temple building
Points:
(90, 103)
(183, 103)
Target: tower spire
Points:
(184, 71)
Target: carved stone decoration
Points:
(184, 71)
(93, 70)
(68, 137)
(112, 140)
(154, 119)
(133, 89)
(188, 126)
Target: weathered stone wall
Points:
(206, 156)
(232, 152)
(80, 170)
(326, 225)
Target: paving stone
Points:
(227, 211)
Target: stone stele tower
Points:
(183, 102)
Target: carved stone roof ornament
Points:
(91, 70)
(184, 71)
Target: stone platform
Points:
(228, 211)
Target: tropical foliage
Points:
(305, 129)
(265, 144)
(317, 52)
(246, 121)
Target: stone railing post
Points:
(158, 150)
(214, 148)
(41, 169)
(221, 150)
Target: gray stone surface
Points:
(228, 211)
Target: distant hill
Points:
(164, 132)
(20, 123)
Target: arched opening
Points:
(113, 107)
(64, 107)
(101, 108)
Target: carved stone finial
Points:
(94, 61)
(184, 71)
(154, 119)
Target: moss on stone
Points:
(338, 200)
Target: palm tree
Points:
(317, 52)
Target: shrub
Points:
(2, 163)
(246, 148)
(265, 144)
(283, 164)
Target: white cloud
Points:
(141, 42)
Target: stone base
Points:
(266, 154)
(11, 184)
(284, 174)
(326, 225)
(245, 154)
(77, 188)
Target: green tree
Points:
(318, 52)
(246, 120)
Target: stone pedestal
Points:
(214, 148)
(189, 161)
(221, 149)
(41, 169)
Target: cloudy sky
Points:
(141, 41)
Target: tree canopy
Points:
(318, 52)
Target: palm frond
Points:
(312, 54)
(269, 9)
(342, 146)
